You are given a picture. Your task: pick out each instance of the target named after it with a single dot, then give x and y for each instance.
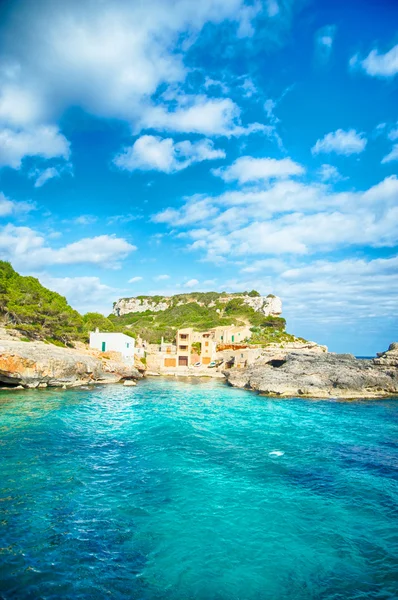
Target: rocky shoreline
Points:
(40, 365)
(307, 372)
(322, 375)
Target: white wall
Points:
(117, 342)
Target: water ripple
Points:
(185, 490)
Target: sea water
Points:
(194, 490)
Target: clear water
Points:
(191, 490)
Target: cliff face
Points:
(269, 306)
(322, 375)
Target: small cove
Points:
(183, 489)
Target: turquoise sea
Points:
(194, 490)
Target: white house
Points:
(116, 342)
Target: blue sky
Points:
(164, 146)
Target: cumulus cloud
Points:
(135, 279)
(377, 64)
(329, 173)
(154, 153)
(25, 247)
(288, 217)
(85, 294)
(12, 207)
(201, 115)
(341, 142)
(194, 211)
(191, 283)
(110, 61)
(248, 169)
(43, 141)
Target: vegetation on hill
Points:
(152, 326)
(205, 298)
(35, 311)
(38, 313)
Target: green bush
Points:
(35, 311)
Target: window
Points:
(103, 346)
(183, 336)
(127, 345)
(222, 337)
(206, 343)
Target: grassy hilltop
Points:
(152, 326)
(38, 313)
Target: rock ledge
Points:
(322, 375)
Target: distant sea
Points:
(187, 490)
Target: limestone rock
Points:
(129, 383)
(36, 364)
(320, 375)
(268, 305)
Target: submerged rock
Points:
(322, 375)
(36, 364)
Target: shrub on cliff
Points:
(34, 310)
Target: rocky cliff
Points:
(322, 375)
(35, 364)
(268, 305)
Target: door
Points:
(183, 361)
(233, 338)
(103, 346)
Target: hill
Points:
(268, 305)
(155, 317)
(37, 313)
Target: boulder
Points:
(321, 375)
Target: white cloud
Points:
(201, 115)
(19, 106)
(85, 294)
(43, 141)
(135, 279)
(378, 64)
(161, 277)
(329, 173)
(289, 217)
(248, 169)
(110, 61)
(324, 39)
(194, 211)
(393, 155)
(25, 247)
(85, 220)
(341, 142)
(12, 207)
(191, 283)
(154, 153)
(41, 176)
